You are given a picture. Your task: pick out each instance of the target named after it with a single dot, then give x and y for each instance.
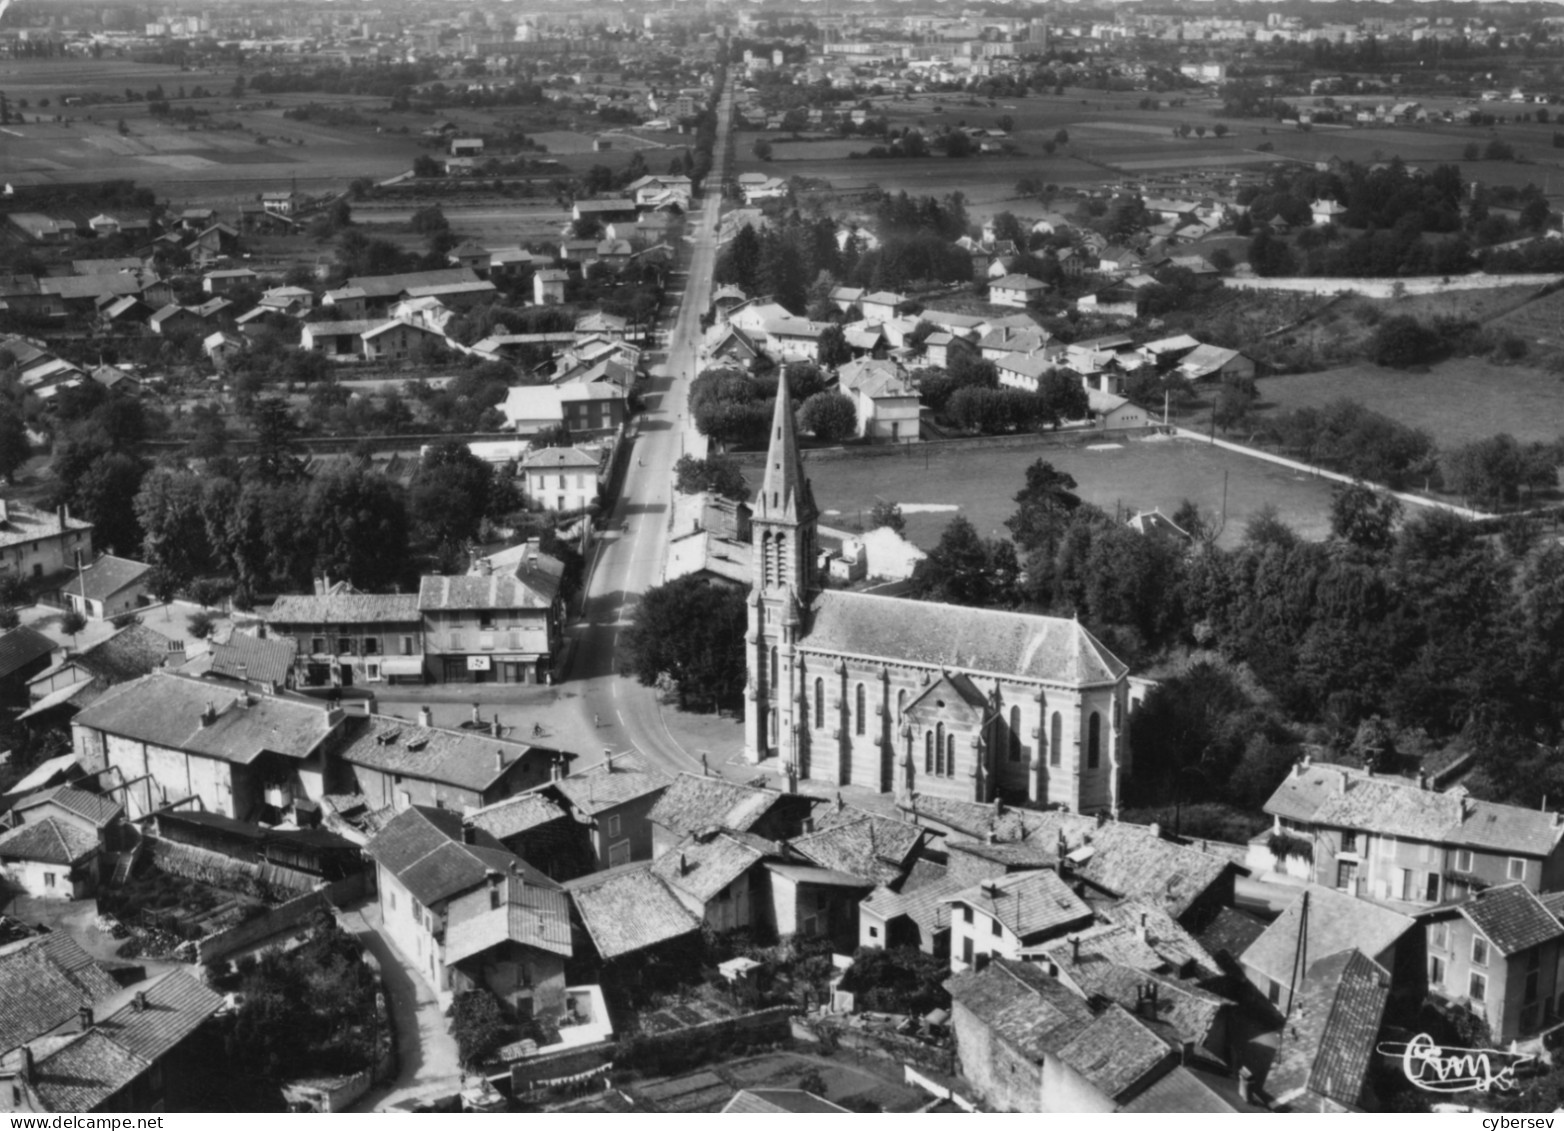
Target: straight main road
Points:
(629, 559)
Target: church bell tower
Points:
(783, 538)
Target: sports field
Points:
(934, 483)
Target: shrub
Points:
(477, 1025)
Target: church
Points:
(906, 696)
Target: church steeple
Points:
(784, 492)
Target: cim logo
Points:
(1436, 1068)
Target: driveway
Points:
(428, 1065)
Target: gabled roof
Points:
(423, 848)
(1328, 1044)
(48, 841)
(1131, 860)
(1336, 922)
(243, 656)
(515, 815)
(345, 609)
(607, 785)
(1115, 1052)
(1511, 918)
(928, 905)
(702, 866)
(629, 909)
(559, 459)
(528, 913)
(1031, 1012)
(469, 760)
(389, 286)
(93, 808)
(44, 981)
(107, 576)
(985, 641)
(1206, 359)
(169, 710)
(21, 646)
(1027, 903)
(770, 1101)
(876, 848)
(1018, 283)
(132, 652)
(694, 802)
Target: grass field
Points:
(1131, 474)
(1456, 402)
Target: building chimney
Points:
(1102, 818)
(5, 511)
(684, 865)
(27, 1064)
(495, 728)
(63, 514)
(425, 717)
(556, 768)
(499, 760)
(1244, 1077)
(208, 716)
(469, 834)
(1075, 950)
(1155, 829)
(1140, 929)
(608, 760)
(476, 720)
(84, 1014)
(840, 804)
(999, 806)
(1422, 779)
(1187, 1053)
(705, 770)
(139, 1002)
(808, 826)
(792, 778)
(991, 837)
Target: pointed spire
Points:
(784, 492)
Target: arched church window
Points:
(928, 752)
(858, 706)
(1055, 741)
(1015, 734)
(819, 703)
(1093, 741)
(775, 685)
(950, 756)
(901, 704)
(939, 750)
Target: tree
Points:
(965, 569)
(359, 521)
(1402, 341)
(1062, 137)
(1363, 517)
(1497, 469)
(691, 633)
(426, 166)
(1235, 402)
(1220, 129)
(1043, 505)
(14, 446)
(762, 149)
(888, 514)
(832, 346)
(477, 1025)
(719, 474)
(72, 622)
(276, 452)
(829, 416)
(200, 623)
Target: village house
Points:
(109, 587)
(171, 738)
(1499, 954)
(343, 637)
(1328, 1048)
(81, 676)
(54, 852)
(612, 800)
(998, 917)
(506, 627)
(694, 802)
(466, 913)
(221, 282)
(37, 544)
(264, 664)
(537, 828)
(1016, 290)
(397, 763)
(560, 479)
(628, 911)
(597, 407)
(1376, 836)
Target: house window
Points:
(407, 645)
(1346, 876)
(1479, 951)
(939, 750)
(456, 642)
(1349, 841)
(1439, 936)
(1431, 889)
(966, 915)
(993, 925)
(874, 932)
(1463, 860)
(1093, 741)
(1436, 970)
(494, 898)
(1478, 987)
(486, 619)
(859, 704)
(48, 879)
(1516, 868)
(1274, 993)
(613, 825)
(371, 646)
(317, 644)
(619, 854)
(344, 646)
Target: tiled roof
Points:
(975, 821)
(48, 841)
(107, 576)
(515, 815)
(1190, 1012)
(772, 1101)
(950, 636)
(557, 458)
(1346, 797)
(91, 807)
(132, 652)
(1031, 1012)
(1511, 918)
(81, 1072)
(27, 524)
(243, 656)
(1328, 1044)
(466, 759)
(874, 847)
(1115, 1052)
(423, 849)
(925, 905)
(694, 802)
(44, 981)
(603, 786)
(167, 710)
(1231, 931)
(1336, 923)
(1174, 945)
(1028, 903)
(389, 286)
(529, 914)
(1134, 861)
(1190, 1091)
(527, 589)
(345, 608)
(345, 327)
(702, 866)
(629, 909)
(1082, 954)
(20, 647)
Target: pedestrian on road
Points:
(597, 720)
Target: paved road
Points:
(623, 713)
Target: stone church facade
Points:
(906, 696)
